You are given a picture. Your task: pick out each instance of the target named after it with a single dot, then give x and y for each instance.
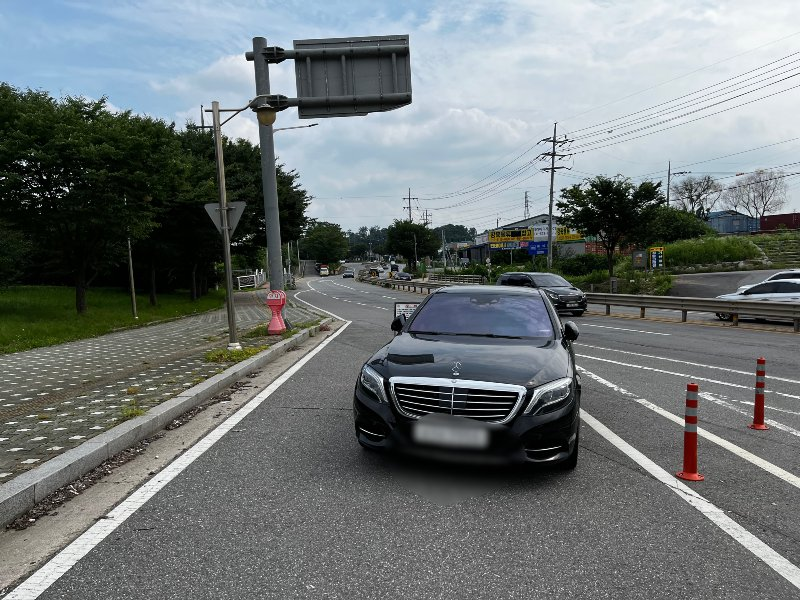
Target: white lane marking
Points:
(713, 513)
(316, 291)
(685, 362)
(775, 470)
(685, 375)
(724, 401)
(327, 312)
(623, 329)
(62, 562)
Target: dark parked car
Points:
(474, 373)
(348, 272)
(564, 296)
(403, 276)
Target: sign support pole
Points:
(233, 344)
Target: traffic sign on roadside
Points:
(235, 210)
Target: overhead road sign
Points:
(341, 77)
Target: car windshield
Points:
(550, 280)
(482, 314)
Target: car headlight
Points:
(551, 295)
(371, 381)
(549, 394)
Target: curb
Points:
(23, 492)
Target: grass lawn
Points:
(35, 316)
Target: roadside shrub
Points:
(582, 264)
(709, 250)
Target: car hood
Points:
(562, 289)
(528, 362)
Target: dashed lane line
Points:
(683, 362)
(683, 375)
(767, 466)
(623, 329)
(724, 401)
(713, 513)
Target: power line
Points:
(604, 124)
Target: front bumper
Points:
(542, 439)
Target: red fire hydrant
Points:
(276, 300)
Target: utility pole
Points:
(409, 198)
(527, 213)
(552, 168)
(669, 177)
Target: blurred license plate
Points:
(572, 304)
(451, 437)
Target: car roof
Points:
(487, 290)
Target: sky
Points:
(708, 86)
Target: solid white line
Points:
(770, 468)
(686, 362)
(684, 375)
(623, 329)
(62, 562)
(713, 513)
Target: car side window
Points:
(787, 287)
(762, 288)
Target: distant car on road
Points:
(402, 276)
(564, 296)
(323, 271)
(475, 373)
(787, 274)
(348, 273)
(778, 290)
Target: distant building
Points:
(784, 221)
(731, 221)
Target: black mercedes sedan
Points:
(475, 373)
(564, 296)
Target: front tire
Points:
(572, 461)
(725, 316)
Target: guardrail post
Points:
(734, 319)
(683, 316)
(641, 312)
(608, 309)
(797, 325)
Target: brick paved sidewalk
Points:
(55, 398)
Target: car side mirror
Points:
(398, 323)
(570, 331)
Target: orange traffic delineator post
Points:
(758, 407)
(690, 437)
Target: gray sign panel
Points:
(340, 77)
(235, 211)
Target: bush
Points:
(582, 264)
(709, 250)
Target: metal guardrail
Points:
(789, 311)
(469, 279)
(776, 310)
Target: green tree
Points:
(14, 252)
(667, 224)
(411, 240)
(325, 242)
(610, 208)
(80, 180)
(455, 233)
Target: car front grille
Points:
(570, 298)
(482, 401)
